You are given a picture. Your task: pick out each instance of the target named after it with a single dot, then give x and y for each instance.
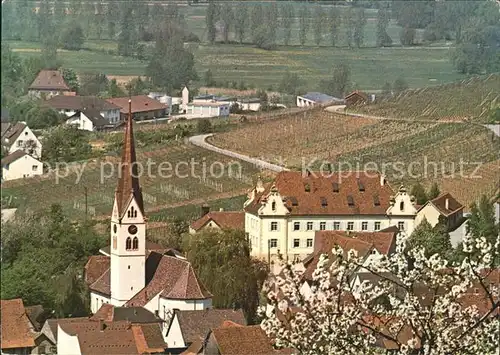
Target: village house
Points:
(71, 105)
(18, 136)
(18, 332)
(190, 327)
(284, 216)
(356, 98)
(317, 98)
(89, 120)
(143, 107)
(442, 208)
(250, 104)
(218, 220)
(132, 275)
(208, 109)
(19, 165)
(49, 83)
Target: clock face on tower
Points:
(114, 242)
(132, 229)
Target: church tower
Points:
(128, 227)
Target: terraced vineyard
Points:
(462, 100)
(406, 151)
(187, 184)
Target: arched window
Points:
(128, 244)
(402, 206)
(135, 244)
(273, 206)
(132, 212)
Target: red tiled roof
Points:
(80, 103)
(105, 312)
(383, 241)
(440, 203)
(18, 154)
(243, 340)
(16, 330)
(224, 219)
(49, 80)
(196, 324)
(357, 93)
(365, 189)
(10, 132)
(95, 267)
(140, 103)
(172, 277)
(119, 337)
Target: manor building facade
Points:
(283, 217)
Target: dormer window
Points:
(273, 206)
(128, 244)
(350, 201)
(402, 206)
(376, 200)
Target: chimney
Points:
(382, 180)
(447, 203)
(204, 209)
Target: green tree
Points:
(171, 66)
(419, 193)
(46, 30)
(127, 39)
(204, 126)
(114, 90)
(434, 191)
(481, 223)
(256, 16)
(303, 24)
(271, 19)
(93, 83)
(383, 18)
(287, 20)
(35, 114)
(66, 144)
(334, 21)
(359, 26)
(349, 25)
(72, 38)
(43, 255)
(112, 12)
(290, 83)
(227, 17)
(407, 36)
(262, 39)
(208, 78)
(435, 240)
(137, 86)
(319, 23)
(70, 78)
(211, 19)
(222, 261)
(241, 21)
(339, 82)
(400, 85)
(11, 74)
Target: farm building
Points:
(89, 120)
(356, 98)
(251, 104)
(20, 165)
(49, 83)
(316, 98)
(143, 107)
(208, 109)
(163, 98)
(70, 105)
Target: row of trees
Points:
(260, 24)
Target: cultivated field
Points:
(463, 100)
(159, 192)
(436, 150)
(370, 67)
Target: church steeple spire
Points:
(128, 181)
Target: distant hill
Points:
(463, 100)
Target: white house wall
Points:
(67, 344)
(96, 301)
(81, 122)
(25, 136)
(24, 167)
(174, 338)
(430, 213)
